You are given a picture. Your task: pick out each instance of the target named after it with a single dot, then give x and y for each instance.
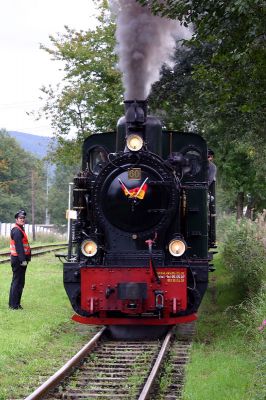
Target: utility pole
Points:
(33, 205)
(47, 217)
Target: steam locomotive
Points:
(139, 249)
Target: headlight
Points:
(177, 247)
(134, 142)
(89, 248)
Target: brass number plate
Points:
(134, 173)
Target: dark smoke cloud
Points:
(144, 43)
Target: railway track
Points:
(35, 251)
(107, 369)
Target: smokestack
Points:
(135, 111)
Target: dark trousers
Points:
(17, 284)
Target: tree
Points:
(15, 180)
(90, 98)
(232, 78)
(173, 97)
(217, 86)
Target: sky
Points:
(24, 67)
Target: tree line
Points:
(26, 182)
(215, 86)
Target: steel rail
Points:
(7, 253)
(153, 374)
(48, 250)
(65, 370)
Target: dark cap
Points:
(210, 152)
(20, 213)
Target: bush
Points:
(249, 317)
(4, 242)
(244, 256)
(49, 238)
(225, 223)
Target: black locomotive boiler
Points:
(139, 248)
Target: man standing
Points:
(212, 205)
(211, 168)
(20, 256)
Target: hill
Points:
(38, 145)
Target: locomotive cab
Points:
(140, 241)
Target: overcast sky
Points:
(24, 67)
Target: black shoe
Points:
(20, 307)
(15, 308)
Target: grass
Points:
(224, 361)
(39, 339)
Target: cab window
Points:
(97, 158)
(194, 158)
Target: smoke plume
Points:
(144, 43)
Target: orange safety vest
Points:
(25, 242)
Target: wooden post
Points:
(33, 206)
(240, 205)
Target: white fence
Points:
(5, 229)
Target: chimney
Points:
(135, 112)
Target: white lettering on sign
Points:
(172, 276)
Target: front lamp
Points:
(134, 142)
(89, 248)
(177, 247)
